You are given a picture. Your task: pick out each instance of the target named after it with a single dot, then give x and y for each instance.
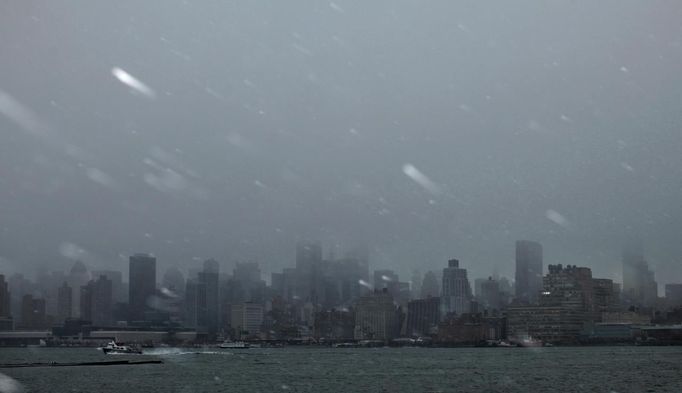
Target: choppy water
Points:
(292, 369)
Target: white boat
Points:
(113, 348)
(234, 345)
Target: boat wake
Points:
(182, 351)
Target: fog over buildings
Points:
(423, 130)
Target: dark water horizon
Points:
(315, 369)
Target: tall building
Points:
(174, 281)
(78, 276)
(423, 315)
(673, 295)
(119, 295)
(570, 299)
(308, 271)
(210, 278)
(142, 285)
(491, 297)
(6, 320)
(388, 279)
(639, 285)
(99, 305)
(456, 294)
(528, 271)
(33, 313)
(64, 302)
(416, 284)
(195, 304)
(377, 317)
(430, 287)
(5, 310)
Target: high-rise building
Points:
(673, 295)
(570, 298)
(64, 302)
(388, 279)
(491, 297)
(528, 271)
(639, 285)
(6, 320)
(416, 284)
(102, 301)
(195, 304)
(142, 285)
(174, 281)
(456, 294)
(430, 287)
(18, 287)
(33, 313)
(119, 295)
(423, 315)
(78, 276)
(5, 310)
(309, 271)
(210, 278)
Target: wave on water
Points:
(182, 351)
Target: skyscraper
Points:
(639, 285)
(6, 320)
(491, 297)
(142, 285)
(210, 278)
(33, 313)
(78, 276)
(195, 304)
(308, 265)
(118, 292)
(456, 290)
(101, 301)
(5, 311)
(528, 271)
(430, 287)
(64, 302)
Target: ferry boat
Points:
(234, 345)
(113, 348)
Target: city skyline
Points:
(507, 269)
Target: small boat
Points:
(530, 342)
(234, 345)
(113, 348)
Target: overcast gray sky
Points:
(425, 129)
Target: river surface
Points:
(314, 369)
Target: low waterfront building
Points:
(546, 323)
(334, 325)
(471, 329)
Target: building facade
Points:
(423, 316)
(528, 271)
(377, 317)
(246, 319)
(142, 285)
(456, 293)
